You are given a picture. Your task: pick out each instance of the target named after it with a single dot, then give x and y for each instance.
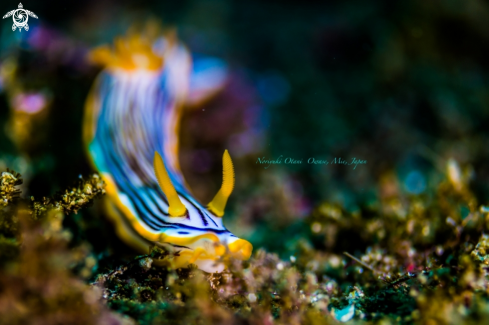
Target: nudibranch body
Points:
(131, 128)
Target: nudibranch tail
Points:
(176, 207)
(218, 204)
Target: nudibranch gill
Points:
(131, 135)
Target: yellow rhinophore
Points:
(218, 204)
(176, 207)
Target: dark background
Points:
(401, 84)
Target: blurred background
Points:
(400, 84)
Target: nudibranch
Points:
(131, 134)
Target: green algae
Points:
(418, 260)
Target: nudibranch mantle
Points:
(130, 129)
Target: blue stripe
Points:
(149, 201)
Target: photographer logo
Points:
(20, 17)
